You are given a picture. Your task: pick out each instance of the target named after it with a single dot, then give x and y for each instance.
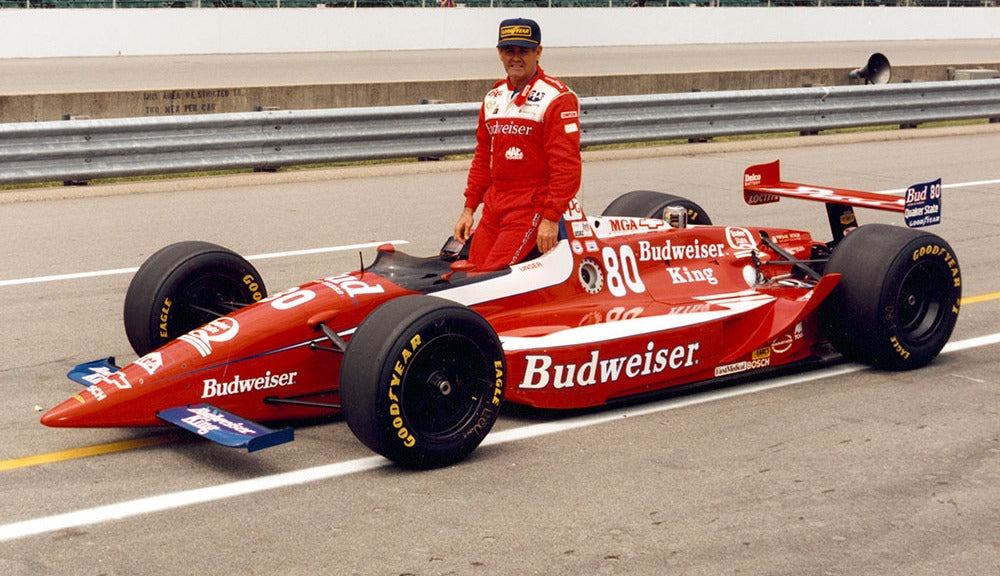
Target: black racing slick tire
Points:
(898, 299)
(650, 204)
(422, 381)
(183, 286)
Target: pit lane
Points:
(856, 472)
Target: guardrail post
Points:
(429, 101)
(260, 108)
(75, 117)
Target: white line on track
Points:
(174, 500)
(112, 272)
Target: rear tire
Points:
(650, 204)
(422, 381)
(898, 300)
(183, 286)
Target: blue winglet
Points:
(224, 428)
(90, 373)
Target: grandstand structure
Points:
(115, 4)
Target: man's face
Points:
(520, 63)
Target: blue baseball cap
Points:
(519, 32)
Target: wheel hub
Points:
(440, 382)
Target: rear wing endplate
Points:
(921, 205)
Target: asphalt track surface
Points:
(58, 75)
(843, 470)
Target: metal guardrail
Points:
(82, 150)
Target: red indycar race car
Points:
(419, 353)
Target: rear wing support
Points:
(921, 205)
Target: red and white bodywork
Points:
(622, 307)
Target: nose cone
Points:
(112, 401)
(117, 410)
(69, 414)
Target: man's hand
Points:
(548, 235)
(463, 228)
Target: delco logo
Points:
(514, 153)
(751, 179)
(219, 330)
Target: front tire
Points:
(898, 300)
(183, 286)
(422, 381)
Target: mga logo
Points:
(634, 224)
(219, 330)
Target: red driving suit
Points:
(526, 167)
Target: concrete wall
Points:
(135, 103)
(82, 32)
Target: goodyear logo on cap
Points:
(516, 32)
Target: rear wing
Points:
(921, 205)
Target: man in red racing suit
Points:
(526, 167)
